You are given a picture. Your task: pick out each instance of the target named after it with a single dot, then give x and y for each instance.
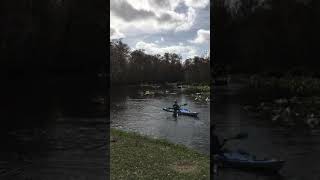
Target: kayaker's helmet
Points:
(176, 101)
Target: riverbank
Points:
(138, 157)
(292, 100)
(199, 92)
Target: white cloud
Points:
(115, 34)
(203, 36)
(191, 16)
(197, 3)
(151, 48)
(132, 17)
(155, 4)
(167, 4)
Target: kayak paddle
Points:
(180, 105)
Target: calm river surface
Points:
(300, 148)
(143, 114)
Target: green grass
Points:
(138, 157)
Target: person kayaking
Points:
(215, 148)
(216, 144)
(176, 108)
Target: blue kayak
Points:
(242, 160)
(183, 111)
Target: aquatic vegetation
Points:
(299, 86)
(303, 111)
(199, 93)
(146, 93)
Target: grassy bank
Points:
(137, 157)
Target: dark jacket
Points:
(216, 145)
(176, 107)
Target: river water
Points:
(143, 114)
(56, 130)
(299, 147)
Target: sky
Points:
(159, 26)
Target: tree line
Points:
(135, 66)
